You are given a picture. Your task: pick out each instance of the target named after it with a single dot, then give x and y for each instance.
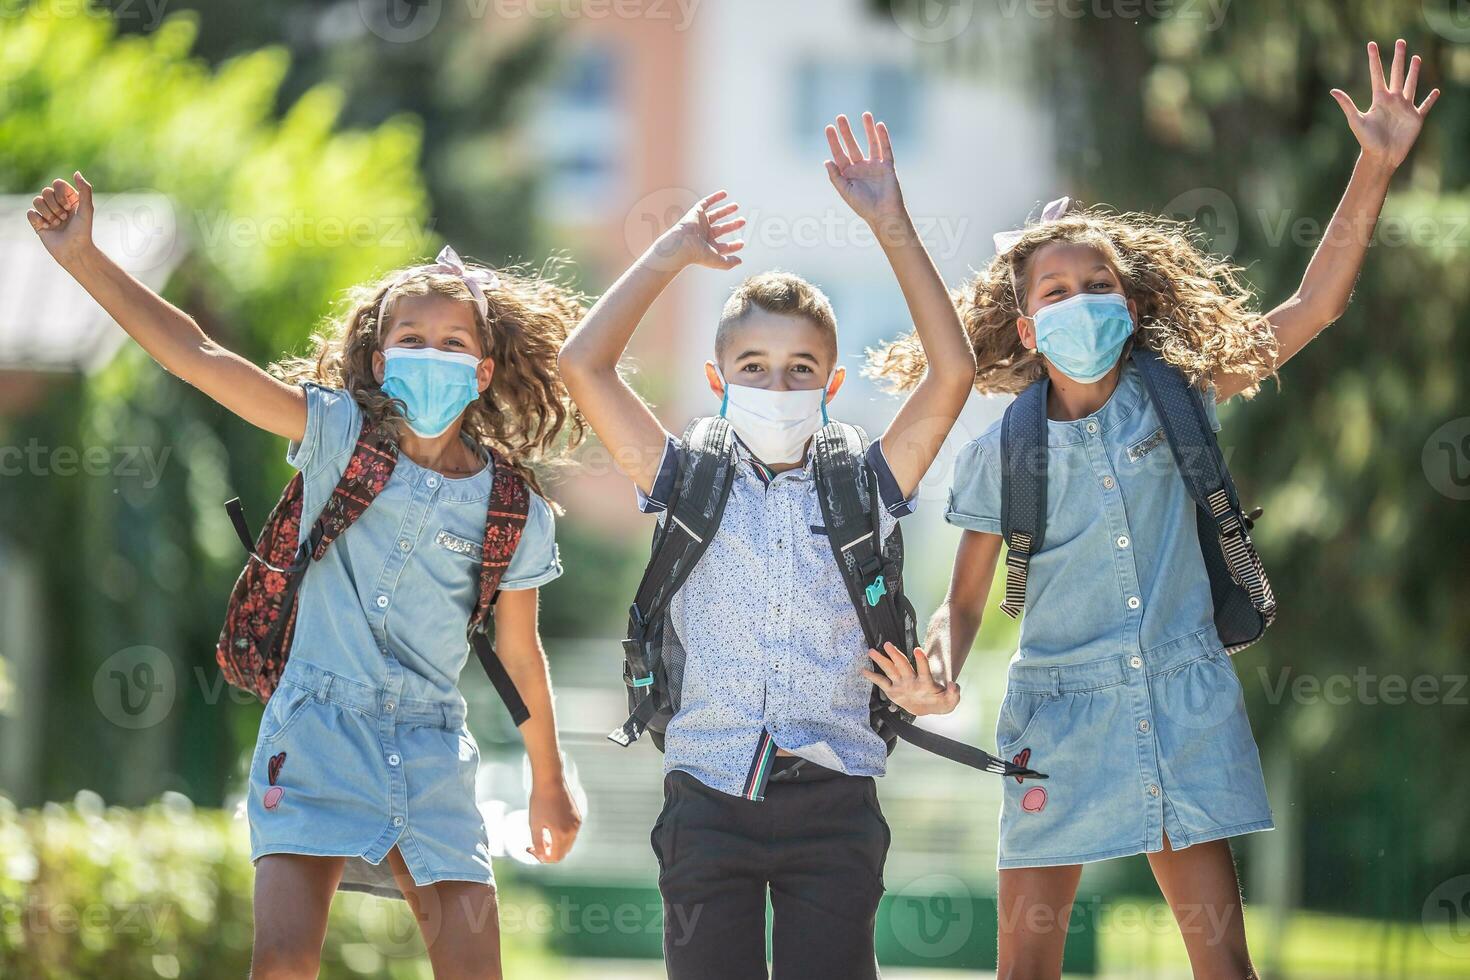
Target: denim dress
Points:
(364, 746)
(1121, 690)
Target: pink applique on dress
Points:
(272, 770)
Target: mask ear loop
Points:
(826, 388)
(724, 392)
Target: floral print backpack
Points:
(260, 617)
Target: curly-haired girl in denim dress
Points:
(363, 775)
(1121, 690)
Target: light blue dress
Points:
(1121, 690)
(364, 745)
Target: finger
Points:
(1396, 72)
(885, 145)
(900, 662)
(1411, 80)
(1428, 103)
(884, 684)
(725, 248)
(38, 204)
(849, 140)
(875, 149)
(53, 206)
(839, 155)
(84, 188)
(921, 665)
(37, 222)
(1375, 67)
(884, 664)
(1349, 108)
(67, 195)
(714, 198)
(719, 231)
(723, 211)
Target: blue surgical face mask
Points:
(1083, 335)
(434, 385)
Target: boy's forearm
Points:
(937, 325)
(599, 342)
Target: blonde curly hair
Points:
(522, 415)
(1193, 308)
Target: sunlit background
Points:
(254, 160)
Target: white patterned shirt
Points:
(773, 648)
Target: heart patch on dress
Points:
(272, 770)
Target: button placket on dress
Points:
(1130, 597)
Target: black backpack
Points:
(1244, 603)
(872, 569)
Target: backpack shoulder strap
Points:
(707, 465)
(847, 491)
(1022, 489)
(505, 519)
(366, 473)
(872, 569)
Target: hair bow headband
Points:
(477, 281)
(1006, 240)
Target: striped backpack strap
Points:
(1022, 489)
(505, 520)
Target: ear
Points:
(1026, 329)
(1133, 311)
(712, 375)
(838, 376)
(380, 365)
(484, 372)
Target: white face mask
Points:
(774, 425)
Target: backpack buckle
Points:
(876, 591)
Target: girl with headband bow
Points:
(1121, 689)
(364, 771)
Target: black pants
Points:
(817, 842)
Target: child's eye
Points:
(802, 368)
(1101, 285)
(751, 368)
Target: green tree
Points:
(282, 210)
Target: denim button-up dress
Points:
(1121, 690)
(364, 746)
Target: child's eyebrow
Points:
(1054, 275)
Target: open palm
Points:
(696, 239)
(866, 181)
(1389, 128)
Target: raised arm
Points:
(1385, 133)
(956, 623)
(589, 360)
(869, 185)
(62, 217)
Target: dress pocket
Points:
(1019, 713)
(284, 707)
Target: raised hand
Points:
(912, 688)
(62, 216)
(1389, 128)
(866, 181)
(695, 239)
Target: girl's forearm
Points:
(1328, 281)
(168, 334)
(532, 680)
(950, 636)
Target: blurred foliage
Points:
(467, 79)
(165, 891)
(1234, 127)
(263, 201)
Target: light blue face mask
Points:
(434, 385)
(1083, 335)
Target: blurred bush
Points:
(89, 891)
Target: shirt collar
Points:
(1119, 407)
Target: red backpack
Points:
(260, 619)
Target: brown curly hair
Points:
(1193, 308)
(523, 413)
